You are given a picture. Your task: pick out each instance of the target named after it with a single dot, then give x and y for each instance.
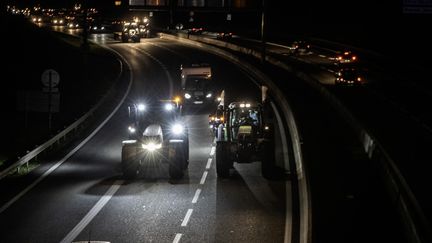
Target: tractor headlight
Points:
(209, 95)
(177, 129)
(141, 107)
(169, 107)
(188, 96)
(151, 146)
(131, 129)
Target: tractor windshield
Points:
(244, 121)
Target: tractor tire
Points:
(130, 165)
(177, 161)
(268, 164)
(186, 151)
(223, 164)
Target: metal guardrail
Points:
(417, 227)
(35, 152)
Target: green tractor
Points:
(247, 135)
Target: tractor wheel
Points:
(186, 150)
(177, 161)
(222, 159)
(130, 166)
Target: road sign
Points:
(50, 78)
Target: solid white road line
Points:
(208, 163)
(212, 151)
(187, 217)
(203, 178)
(54, 167)
(321, 55)
(177, 238)
(93, 212)
(196, 196)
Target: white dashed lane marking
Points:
(187, 217)
(208, 163)
(203, 178)
(212, 151)
(177, 238)
(196, 196)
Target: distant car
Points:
(195, 31)
(224, 35)
(58, 21)
(301, 47)
(349, 76)
(346, 57)
(99, 28)
(179, 26)
(73, 25)
(37, 19)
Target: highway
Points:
(351, 160)
(87, 199)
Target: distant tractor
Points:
(131, 31)
(246, 135)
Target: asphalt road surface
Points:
(87, 199)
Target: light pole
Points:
(263, 45)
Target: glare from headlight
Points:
(177, 129)
(95, 28)
(141, 107)
(152, 146)
(168, 107)
(102, 28)
(188, 96)
(209, 95)
(131, 129)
